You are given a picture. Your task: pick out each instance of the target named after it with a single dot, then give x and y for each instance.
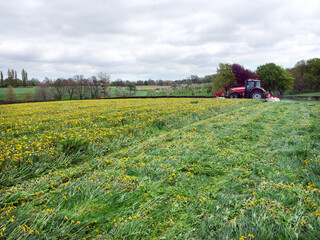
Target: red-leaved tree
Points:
(243, 74)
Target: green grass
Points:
(19, 92)
(302, 94)
(308, 94)
(248, 171)
(123, 92)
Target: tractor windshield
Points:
(257, 84)
(250, 85)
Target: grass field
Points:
(160, 169)
(19, 92)
(308, 94)
(152, 87)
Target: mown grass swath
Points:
(164, 168)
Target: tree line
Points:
(14, 80)
(99, 86)
(303, 77)
(77, 87)
(192, 79)
(306, 75)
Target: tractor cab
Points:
(250, 83)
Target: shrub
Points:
(10, 96)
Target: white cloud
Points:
(144, 39)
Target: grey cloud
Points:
(160, 38)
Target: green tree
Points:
(131, 86)
(275, 77)
(313, 73)
(1, 81)
(15, 78)
(208, 79)
(299, 74)
(225, 77)
(10, 78)
(10, 96)
(24, 76)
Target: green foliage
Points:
(10, 96)
(313, 72)
(225, 77)
(1, 79)
(24, 75)
(307, 75)
(208, 79)
(298, 72)
(28, 96)
(275, 77)
(131, 86)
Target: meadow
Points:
(160, 169)
(20, 92)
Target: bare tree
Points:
(58, 88)
(42, 93)
(94, 87)
(71, 87)
(104, 80)
(81, 85)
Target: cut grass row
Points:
(42, 136)
(251, 172)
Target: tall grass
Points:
(248, 171)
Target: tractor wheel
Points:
(256, 94)
(234, 95)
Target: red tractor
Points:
(252, 89)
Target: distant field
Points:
(152, 87)
(145, 87)
(19, 91)
(308, 94)
(160, 169)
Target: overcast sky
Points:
(157, 39)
